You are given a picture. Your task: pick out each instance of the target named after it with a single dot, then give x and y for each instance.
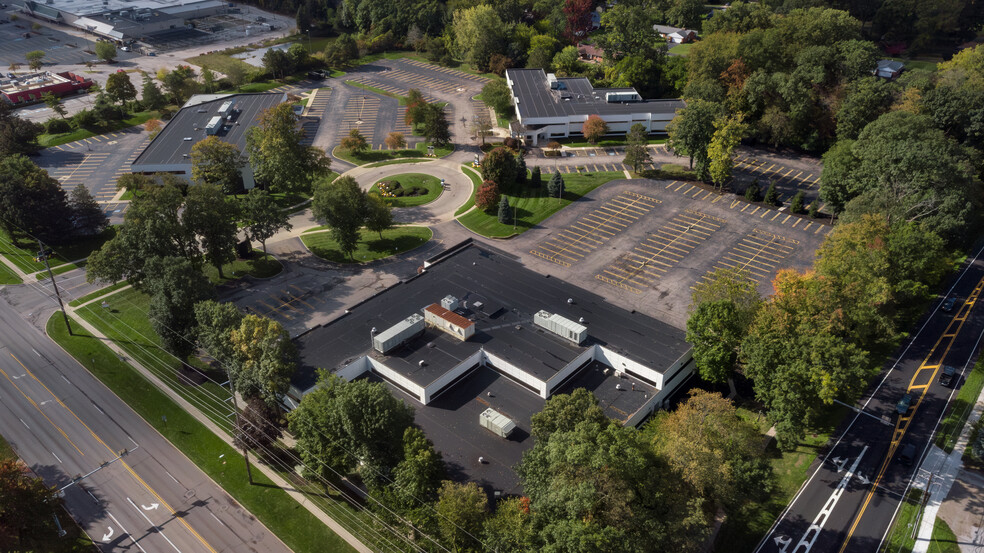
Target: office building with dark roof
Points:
(549, 107)
(477, 331)
(227, 116)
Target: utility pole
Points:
(43, 255)
(242, 442)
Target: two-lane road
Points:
(849, 501)
(65, 424)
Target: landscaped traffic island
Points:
(408, 189)
(370, 247)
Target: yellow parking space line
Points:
(819, 228)
(671, 184)
(798, 221)
(677, 189)
(764, 213)
(746, 207)
(786, 219)
(778, 213)
(807, 227)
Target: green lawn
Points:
(898, 540)
(298, 528)
(222, 62)
(139, 118)
(918, 64)
(396, 162)
(681, 49)
(743, 528)
(22, 255)
(260, 266)
(943, 540)
(43, 275)
(7, 276)
(374, 156)
(98, 293)
(606, 142)
(961, 407)
(534, 205)
(407, 181)
(395, 241)
(476, 183)
(370, 88)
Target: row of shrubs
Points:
(393, 189)
(753, 193)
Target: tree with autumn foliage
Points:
(487, 197)
(595, 128)
(27, 505)
(416, 107)
(578, 16)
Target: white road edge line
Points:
(785, 511)
(172, 477)
(158, 528)
(126, 532)
(828, 507)
(56, 457)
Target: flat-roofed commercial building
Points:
(27, 89)
(549, 107)
(227, 116)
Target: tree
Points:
(54, 102)
(262, 217)
(594, 128)
(753, 192)
(35, 59)
(105, 50)
(708, 443)
(687, 14)
(636, 156)
(715, 331)
(555, 188)
(152, 228)
(278, 156)
(488, 195)
(510, 528)
(867, 98)
(482, 127)
(496, 95)
(32, 204)
(28, 506)
(417, 477)
(237, 75)
(797, 203)
(355, 142)
(564, 412)
(499, 166)
(215, 323)
(395, 141)
(379, 214)
(461, 509)
(416, 107)
(540, 54)
(436, 130)
(772, 195)
(637, 135)
(505, 211)
(180, 83)
(628, 30)
(208, 79)
(151, 96)
(175, 286)
(264, 359)
(837, 184)
(478, 33)
(536, 178)
(133, 182)
(217, 162)
(277, 63)
(578, 15)
(298, 55)
(17, 136)
(727, 135)
(88, 218)
(212, 216)
(691, 131)
(341, 204)
(567, 62)
(258, 429)
(341, 426)
(342, 51)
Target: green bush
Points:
(57, 126)
(814, 209)
(772, 195)
(753, 192)
(797, 204)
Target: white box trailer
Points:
(496, 422)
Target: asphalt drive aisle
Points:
(850, 500)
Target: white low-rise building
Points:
(548, 107)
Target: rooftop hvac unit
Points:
(449, 302)
(561, 326)
(616, 97)
(496, 422)
(398, 333)
(214, 124)
(226, 108)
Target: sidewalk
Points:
(937, 473)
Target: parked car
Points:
(315, 75)
(152, 54)
(908, 454)
(903, 405)
(948, 376)
(948, 304)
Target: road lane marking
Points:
(813, 532)
(135, 542)
(36, 406)
(154, 526)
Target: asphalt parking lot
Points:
(284, 304)
(681, 233)
(571, 244)
(58, 47)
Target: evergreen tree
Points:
(536, 180)
(87, 217)
(772, 195)
(814, 209)
(753, 191)
(798, 201)
(153, 98)
(556, 186)
(505, 211)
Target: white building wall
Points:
(354, 369)
(570, 368)
(622, 363)
(393, 376)
(519, 374)
(445, 379)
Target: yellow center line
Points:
(903, 423)
(38, 407)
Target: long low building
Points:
(476, 331)
(549, 107)
(122, 20)
(227, 116)
(27, 89)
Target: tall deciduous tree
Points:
(578, 15)
(728, 133)
(395, 141)
(27, 505)
(691, 132)
(262, 217)
(35, 59)
(461, 509)
(105, 50)
(436, 129)
(258, 426)
(595, 128)
(32, 204)
(215, 323)
(17, 135)
(88, 217)
(379, 214)
(355, 142)
(54, 103)
(278, 156)
(211, 216)
(499, 166)
(120, 88)
(175, 286)
(496, 95)
(478, 33)
(217, 162)
(417, 477)
(264, 359)
(341, 204)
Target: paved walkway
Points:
(938, 472)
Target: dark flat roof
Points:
(536, 99)
(511, 294)
(169, 147)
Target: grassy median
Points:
(371, 247)
(961, 407)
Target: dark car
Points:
(315, 75)
(948, 304)
(903, 405)
(948, 375)
(908, 454)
